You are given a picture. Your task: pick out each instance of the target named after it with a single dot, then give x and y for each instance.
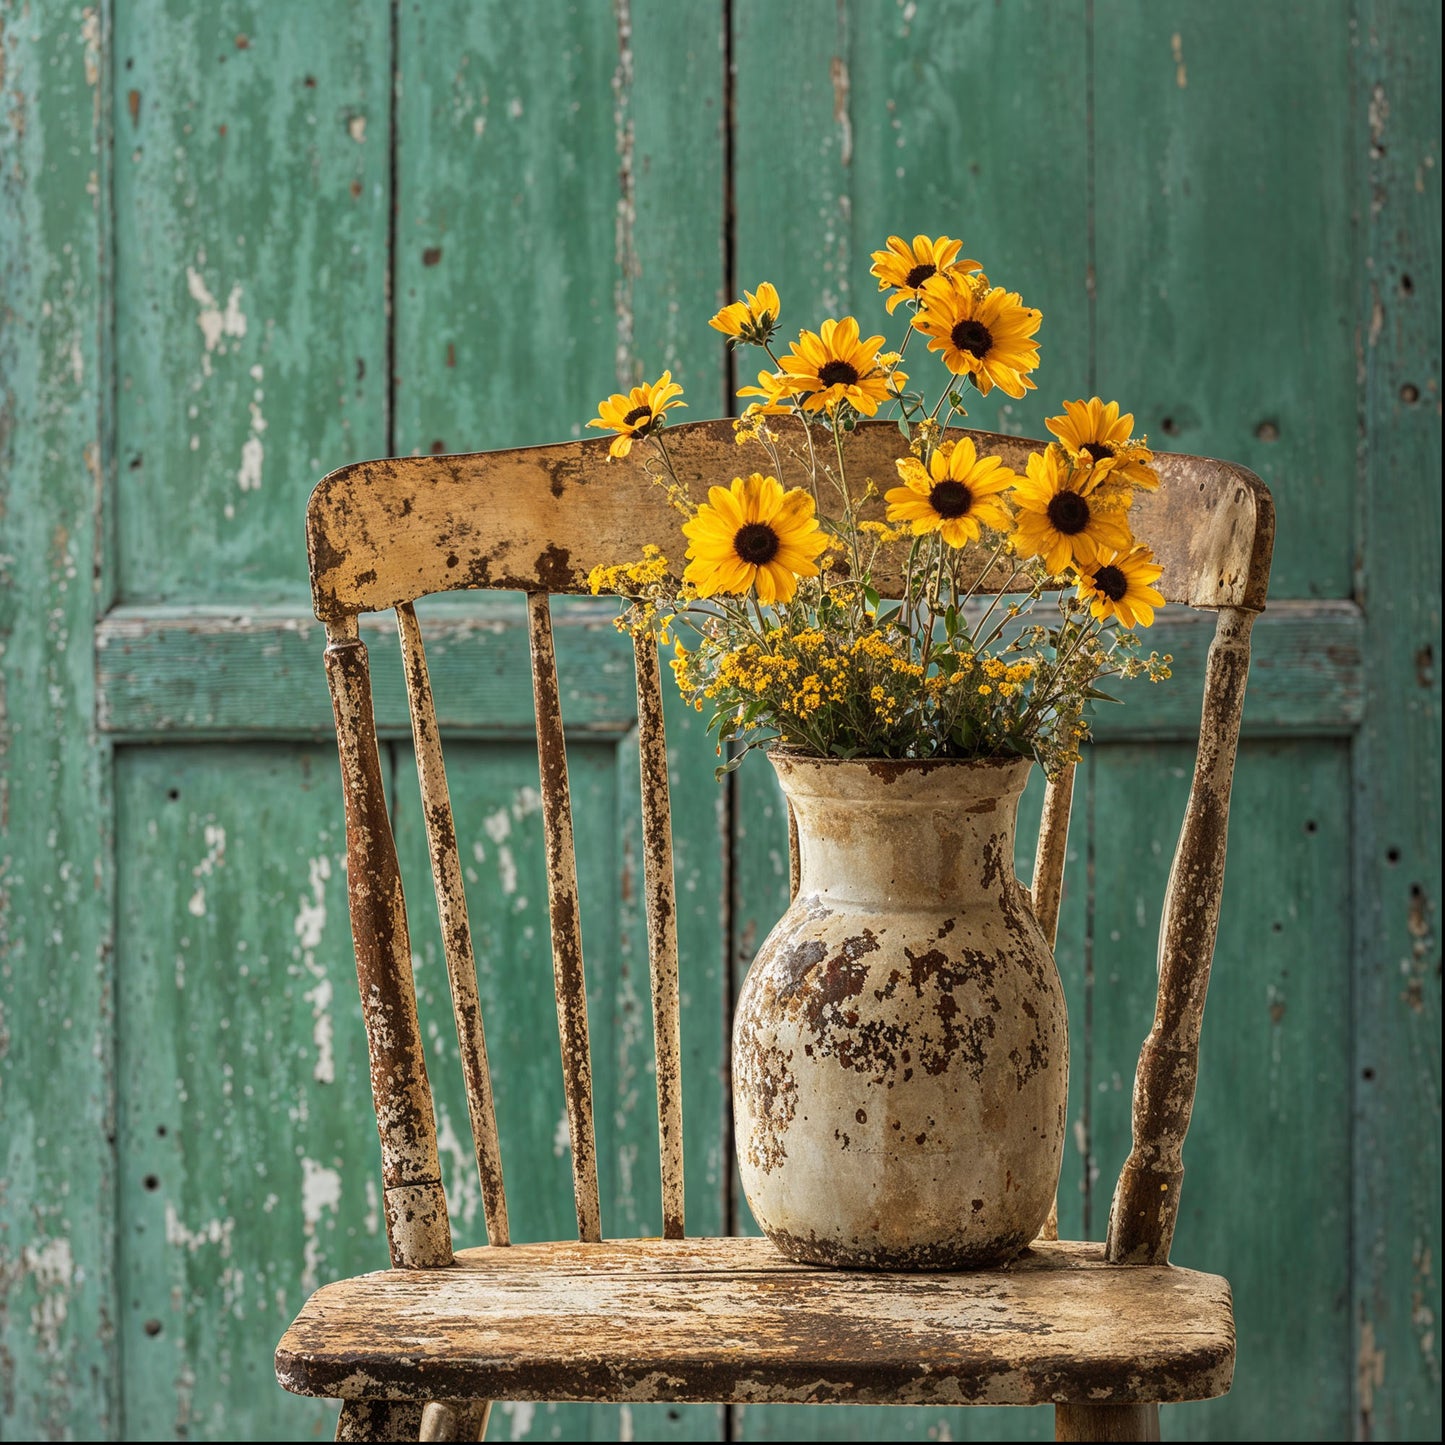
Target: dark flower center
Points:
(1100, 451)
(919, 274)
(756, 543)
(1069, 513)
(1111, 582)
(972, 336)
(637, 415)
(950, 499)
(837, 373)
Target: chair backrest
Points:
(536, 520)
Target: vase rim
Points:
(879, 779)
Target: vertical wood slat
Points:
(456, 930)
(1146, 1198)
(379, 1420)
(564, 911)
(417, 1228)
(1048, 891)
(661, 894)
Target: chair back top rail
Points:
(537, 519)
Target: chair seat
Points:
(732, 1320)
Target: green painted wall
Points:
(242, 243)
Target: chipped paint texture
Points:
(601, 1322)
(900, 1047)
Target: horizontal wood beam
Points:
(226, 673)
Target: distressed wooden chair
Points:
(1103, 1332)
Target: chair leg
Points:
(379, 1420)
(1106, 1422)
(456, 1420)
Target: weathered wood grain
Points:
(1106, 1422)
(415, 1209)
(1274, 1075)
(230, 673)
(539, 519)
(934, 100)
(248, 1173)
(1213, 171)
(565, 914)
(251, 200)
(728, 1319)
(657, 878)
(451, 900)
(57, 1101)
(1146, 1198)
(1395, 1291)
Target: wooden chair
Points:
(1103, 1332)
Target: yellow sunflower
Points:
(637, 413)
(832, 364)
(753, 535)
(1119, 584)
(776, 391)
(1064, 517)
(753, 319)
(983, 331)
(1090, 429)
(905, 268)
(957, 494)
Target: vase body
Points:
(900, 1047)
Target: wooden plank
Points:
(1216, 160)
(250, 1160)
(1266, 1189)
(564, 911)
(1397, 1247)
(1146, 1199)
(937, 100)
(539, 519)
(251, 196)
(451, 900)
(228, 672)
(58, 1369)
(725, 1319)
(662, 954)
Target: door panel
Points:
(251, 192)
(244, 243)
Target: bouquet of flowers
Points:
(841, 617)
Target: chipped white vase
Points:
(900, 1049)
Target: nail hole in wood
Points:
(152, 1328)
(438, 447)
(173, 793)
(1367, 1074)
(1409, 394)
(1267, 431)
(1311, 826)
(1392, 855)
(151, 1182)
(1169, 427)
(1407, 286)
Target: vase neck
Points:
(904, 836)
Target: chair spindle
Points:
(1146, 1199)
(563, 906)
(1048, 890)
(661, 928)
(417, 1229)
(446, 871)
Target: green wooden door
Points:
(242, 243)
